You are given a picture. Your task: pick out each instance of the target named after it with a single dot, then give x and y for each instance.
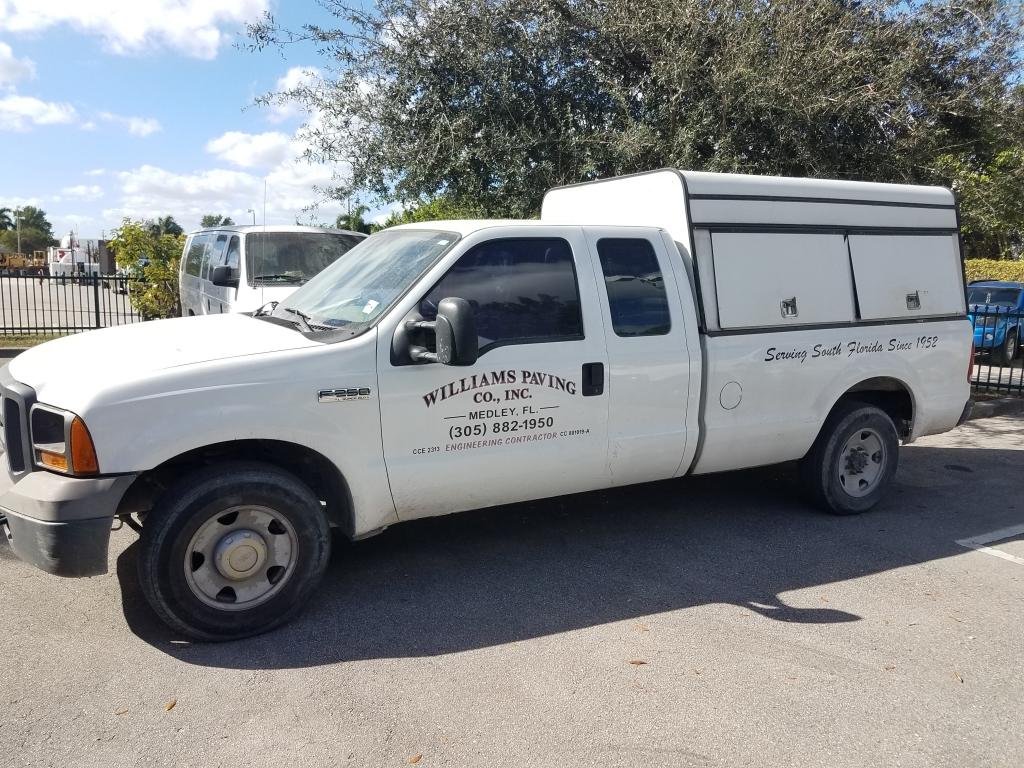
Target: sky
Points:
(144, 108)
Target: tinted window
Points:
(231, 257)
(521, 291)
(636, 288)
(214, 254)
(291, 258)
(194, 258)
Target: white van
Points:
(239, 269)
(646, 328)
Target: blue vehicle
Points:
(996, 307)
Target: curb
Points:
(1000, 406)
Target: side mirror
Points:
(455, 335)
(224, 276)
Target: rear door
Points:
(648, 359)
(529, 418)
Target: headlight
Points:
(61, 442)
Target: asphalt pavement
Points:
(712, 621)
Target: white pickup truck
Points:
(647, 327)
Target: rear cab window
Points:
(636, 287)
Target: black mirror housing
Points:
(224, 276)
(455, 333)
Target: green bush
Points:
(992, 269)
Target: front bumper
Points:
(61, 524)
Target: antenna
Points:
(263, 242)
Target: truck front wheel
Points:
(853, 460)
(233, 550)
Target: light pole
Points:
(17, 225)
(253, 212)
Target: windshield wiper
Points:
(266, 309)
(303, 319)
(279, 276)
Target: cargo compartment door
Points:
(648, 357)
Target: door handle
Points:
(593, 379)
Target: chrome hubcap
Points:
(861, 462)
(241, 557)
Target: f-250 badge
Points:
(344, 395)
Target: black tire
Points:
(825, 470)
(199, 499)
(1007, 351)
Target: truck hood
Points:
(129, 352)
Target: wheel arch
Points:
(313, 468)
(892, 395)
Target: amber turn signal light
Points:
(51, 460)
(83, 452)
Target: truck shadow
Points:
(517, 572)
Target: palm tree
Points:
(216, 220)
(165, 225)
(35, 218)
(6, 222)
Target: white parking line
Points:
(979, 542)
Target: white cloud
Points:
(13, 69)
(96, 172)
(194, 27)
(291, 188)
(137, 126)
(83, 191)
(248, 150)
(295, 77)
(17, 113)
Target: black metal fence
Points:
(56, 305)
(998, 366)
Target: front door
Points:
(529, 418)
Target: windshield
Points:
(996, 297)
(363, 285)
(292, 258)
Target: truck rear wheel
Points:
(853, 460)
(233, 550)
(1007, 351)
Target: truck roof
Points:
(248, 228)
(465, 227)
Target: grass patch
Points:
(28, 340)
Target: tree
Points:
(6, 222)
(216, 220)
(31, 240)
(353, 220)
(496, 101)
(438, 209)
(157, 294)
(165, 226)
(35, 219)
